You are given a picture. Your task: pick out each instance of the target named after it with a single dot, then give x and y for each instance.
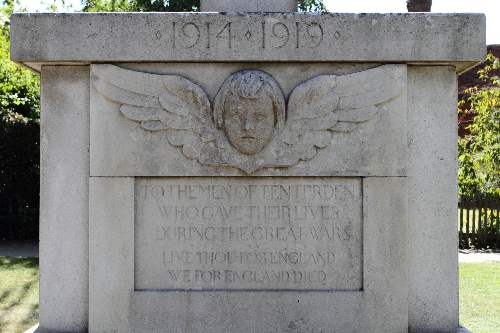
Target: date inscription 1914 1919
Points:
(229, 34)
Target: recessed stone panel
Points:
(248, 234)
(174, 120)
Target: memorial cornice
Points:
(83, 38)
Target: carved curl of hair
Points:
(250, 84)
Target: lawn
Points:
(18, 294)
(479, 295)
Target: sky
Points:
(490, 7)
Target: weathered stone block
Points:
(342, 139)
(432, 176)
(248, 234)
(64, 176)
(458, 39)
(264, 172)
(379, 306)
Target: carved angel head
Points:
(249, 111)
(249, 107)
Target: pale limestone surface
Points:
(399, 163)
(248, 233)
(432, 199)
(380, 307)
(458, 39)
(111, 253)
(373, 101)
(64, 176)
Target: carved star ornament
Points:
(249, 126)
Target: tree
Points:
(169, 6)
(19, 87)
(312, 6)
(479, 152)
(19, 137)
(419, 5)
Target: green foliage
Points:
(140, 5)
(312, 6)
(479, 152)
(19, 140)
(19, 88)
(55, 6)
(169, 5)
(107, 6)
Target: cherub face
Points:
(249, 123)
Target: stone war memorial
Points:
(248, 168)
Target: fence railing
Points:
(479, 223)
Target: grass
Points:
(480, 297)
(18, 294)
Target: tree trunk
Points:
(419, 5)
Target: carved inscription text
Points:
(229, 34)
(248, 234)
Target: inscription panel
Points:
(248, 234)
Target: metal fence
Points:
(479, 223)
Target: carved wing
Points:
(161, 102)
(329, 103)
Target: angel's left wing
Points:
(330, 103)
(169, 103)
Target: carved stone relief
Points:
(249, 108)
(250, 126)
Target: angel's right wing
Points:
(335, 103)
(161, 102)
